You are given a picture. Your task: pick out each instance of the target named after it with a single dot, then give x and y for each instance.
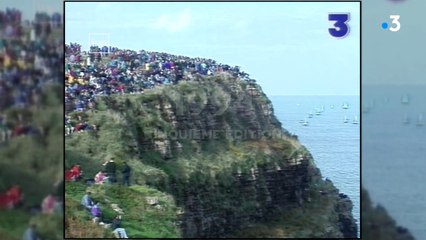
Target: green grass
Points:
(13, 223)
(139, 219)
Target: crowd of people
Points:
(104, 71)
(106, 176)
(30, 59)
(94, 209)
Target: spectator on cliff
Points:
(100, 178)
(86, 201)
(76, 173)
(110, 170)
(15, 196)
(31, 233)
(126, 174)
(48, 204)
(96, 211)
(116, 228)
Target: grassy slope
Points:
(139, 219)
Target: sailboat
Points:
(305, 123)
(420, 121)
(355, 121)
(405, 99)
(345, 106)
(317, 112)
(346, 120)
(406, 119)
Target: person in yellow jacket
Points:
(70, 79)
(7, 61)
(22, 64)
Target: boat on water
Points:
(355, 121)
(345, 106)
(310, 115)
(318, 112)
(301, 121)
(405, 99)
(406, 119)
(305, 123)
(346, 120)
(420, 121)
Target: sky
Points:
(286, 47)
(30, 7)
(394, 58)
(388, 58)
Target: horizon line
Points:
(324, 95)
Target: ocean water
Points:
(393, 158)
(335, 145)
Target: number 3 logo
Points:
(395, 20)
(341, 28)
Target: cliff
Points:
(378, 225)
(214, 148)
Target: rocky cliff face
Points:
(378, 225)
(217, 147)
(256, 196)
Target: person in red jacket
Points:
(76, 172)
(11, 199)
(68, 176)
(15, 195)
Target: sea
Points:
(334, 144)
(394, 153)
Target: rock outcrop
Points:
(216, 146)
(378, 225)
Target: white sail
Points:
(346, 119)
(405, 99)
(406, 119)
(306, 123)
(420, 121)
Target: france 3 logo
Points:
(340, 27)
(396, 25)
